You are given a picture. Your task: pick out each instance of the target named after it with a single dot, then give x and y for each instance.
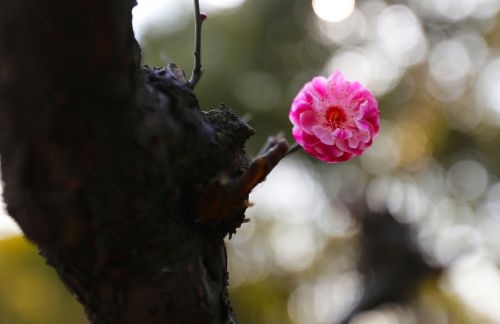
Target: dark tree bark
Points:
(126, 187)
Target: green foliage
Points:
(262, 302)
(30, 292)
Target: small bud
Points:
(203, 16)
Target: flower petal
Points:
(310, 140)
(297, 134)
(318, 84)
(353, 142)
(342, 133)
(343, 145)
(296, 110)
(308, 119)
(324, 134)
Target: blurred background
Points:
(434, 66)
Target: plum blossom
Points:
(334, 119)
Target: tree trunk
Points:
(127, 188)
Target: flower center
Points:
(335, 116)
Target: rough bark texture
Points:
(112, 170)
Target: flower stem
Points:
(197, 71)
(270, 143)
(293, 148)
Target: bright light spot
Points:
(301, 304)
(489, 227)
(467, 180)
(8, 227)
(400, 35)
(400, 195)
(349, 31)
(455, 10)
(487, 90)
(476, 46)
(489, 216)
(353, 63)
(294, 239)
(377, 193)
(294, 247)
(371, 10)
(384, 155)
(373, 317)
(333, 10)
(449, 63)
(431, 178)
(384, 74)
(334, 297)
(328, 299)
(447, 93)
(169, 16)
(486, 8)
(415, 206)
(219, 4)
(455, 241)
(476, 280)
(280, 194)
(249, 255)
(494, 194)
(162, 16)
(387, 314)
(336, 221)
(368, 66)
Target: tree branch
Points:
(104, 163)
(197, 69)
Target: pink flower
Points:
(334, 119)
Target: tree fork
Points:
(113, 171)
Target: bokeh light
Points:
(8, 227)
(476, 279)
(487, 89)
(400, 35)
(169, 16)
(333, 11)
(220, 4)
(156, 16)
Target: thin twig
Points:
(273, 140)
(293, 148)
(196, 74)
(270, 143)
